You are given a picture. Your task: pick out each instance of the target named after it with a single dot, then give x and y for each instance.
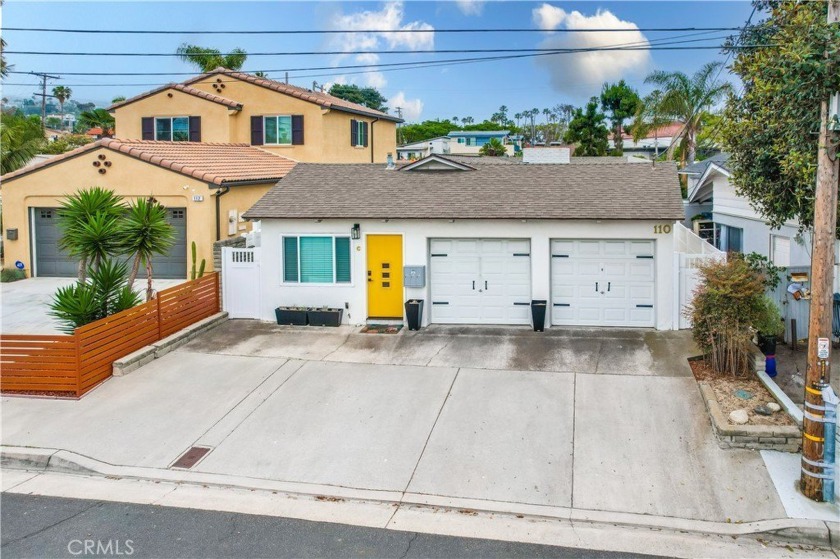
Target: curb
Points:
(796, 530)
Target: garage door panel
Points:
(602, 282)
(500, 280)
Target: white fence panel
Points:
(241, 282)
(691, 252)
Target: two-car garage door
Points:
(50, 261)
(598, 282)
(602, 283)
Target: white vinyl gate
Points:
(241, 282)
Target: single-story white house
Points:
(423, 148)
(476, 241)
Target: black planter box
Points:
(324, 317)
(767, 344)
(290, 316)
(538, 314)
(414, 313)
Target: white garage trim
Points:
(603, 282)
(480, 281)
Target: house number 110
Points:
(658, 229)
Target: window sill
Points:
(298, 284)
(277, 145)
(360, 147)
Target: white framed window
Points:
(318, 259)
(277, 130)
(780, 250)
(361, 133)
(172, 128)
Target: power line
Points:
(377, 52)
(363, 31)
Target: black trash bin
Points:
(538, 314)
(414, 313)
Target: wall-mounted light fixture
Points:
(355, 232)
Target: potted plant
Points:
(769, 326)
(293, 316)
(324, 316)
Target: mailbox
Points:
(414, 276)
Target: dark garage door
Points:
(52, 262)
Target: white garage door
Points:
(602, 283)
(481, 281)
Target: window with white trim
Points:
(780, 250)
(361, 133)
(316, 259)
(172, 129)
(277, 130)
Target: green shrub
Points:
(769, 320)
(771, 273)
(11, 274)
(724, 310)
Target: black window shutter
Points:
(148, 128)
(195, 128)
(256, 130)
(297, 130)
(354, 133)
(365, 133)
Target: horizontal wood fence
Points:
(79, 362)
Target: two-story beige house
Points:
(207, 148)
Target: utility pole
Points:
(399, 111)
(43, 95)
(818, 371)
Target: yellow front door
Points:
(384, 276)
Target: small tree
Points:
(367, 96)
(97, 118)
(144, 232)
(62, 94)
(621, 102)
(726, 306)
(587, 130)
(493, 148)
(88, 221)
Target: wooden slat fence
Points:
(79, 362)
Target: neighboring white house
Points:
(477, 241)
(424, 148)
(716, 213)
(470, 142)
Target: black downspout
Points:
(371, 139)
(221, 191)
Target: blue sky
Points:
(475, 90)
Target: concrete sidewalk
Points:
(605, 426)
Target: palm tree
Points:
(89, 222)
(650, 118)
(20, 139)
(62, 94)
(455, 120)
(493, 148)
(686, 98)
(145, 232)
(207, 59)
(118, 99)
(98, 118)
(467, 120)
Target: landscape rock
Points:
(773, 406)
(763, 410)
(739, 417)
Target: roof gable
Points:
(436, 162)
(218, 164)
(323, 99)
(234, 105)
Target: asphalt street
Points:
(47, 527)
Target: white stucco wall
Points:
(416, 235)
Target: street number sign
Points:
(822, 348)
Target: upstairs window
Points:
(277, 130)
(358, 133)
(172, 129)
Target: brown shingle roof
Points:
(323, 99)
(213, 163)
(323, 191)
(184, 89)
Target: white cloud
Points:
(411, 108)
(569, 72)
(470, 7)
(389, 18)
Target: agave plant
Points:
(89, 222)
(104, 293)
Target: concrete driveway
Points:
(24, 304)
(601, 420)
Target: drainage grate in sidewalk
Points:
(191, 457)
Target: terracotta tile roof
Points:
(184, 89)
(666, 131)
(212, 163)
(323, 99)
(534, 191)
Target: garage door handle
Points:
(608, 285)
(485, 285)
(596, 286)
(473, 285)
